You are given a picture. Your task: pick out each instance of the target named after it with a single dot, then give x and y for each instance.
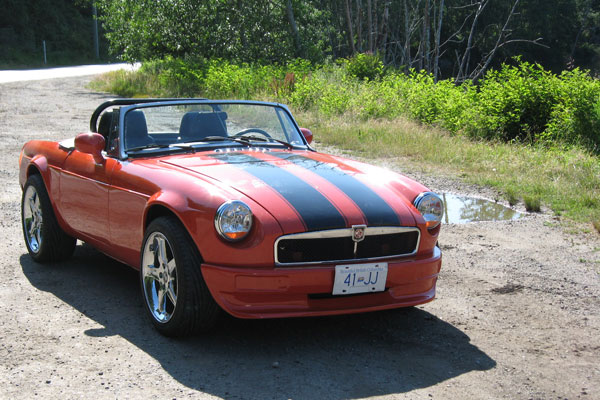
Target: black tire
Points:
(44, 238)
(187, 307)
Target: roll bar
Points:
(126, 102)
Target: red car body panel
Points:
(109, 204)
(298, 291)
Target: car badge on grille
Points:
(358, 232)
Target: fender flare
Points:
(174, 204)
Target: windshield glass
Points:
(208, 124)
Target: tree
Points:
(459, 38)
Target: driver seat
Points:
(136, 130)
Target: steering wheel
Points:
(253, 130)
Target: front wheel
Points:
(44, 238)
(175, 295)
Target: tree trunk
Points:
(370, 25)
(375, 27)
(464, 64)
(349, 28)
(480, 71)
(406, 52)
(295, 32)
(384, 29)
(359, 25)
(242, 31)
(425, 39)
(438, 33)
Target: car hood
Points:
(307, 191)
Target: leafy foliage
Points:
(518, 103)
(65, 26)
(429, 35)
(365, 66)
(230, 29)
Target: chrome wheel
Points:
(159, 277)
(32, 219)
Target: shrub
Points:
(365, 66)
(575, 117)
(519, 103)
(513, 103)
(178, 77)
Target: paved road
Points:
(62, 72)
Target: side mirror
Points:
(307, 134)
(91, 143)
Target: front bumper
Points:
(306, 291)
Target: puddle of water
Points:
(463, 209)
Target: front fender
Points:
(187, 211)
(32, 165)
(46, 159)
(197, 212)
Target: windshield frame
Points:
(124, 154)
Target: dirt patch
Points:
(507, 289)
(517, 314)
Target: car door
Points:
(84, 188)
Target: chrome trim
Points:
(358, 228)
(422, 196)
(159, 277)
(348, 232)
(360, 238)
(222, 208)
(33, 219)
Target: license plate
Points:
(360, 278)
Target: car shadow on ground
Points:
(351, 356)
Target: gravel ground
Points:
(517, 314)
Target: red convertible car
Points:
(224, 205)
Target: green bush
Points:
(365, 66)
(575, 117)
(513, 104)
(517, 103)
(178, 77)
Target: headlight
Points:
(431, 207)
(233, 220)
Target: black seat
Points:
(136, 130)
(105, 123)
(198, 125)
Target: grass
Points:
(126, 83)
(565, 180)
(512, 197)
(532, 203)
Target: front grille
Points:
(337, 245)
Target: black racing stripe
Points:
(375, 209)
(317, 212)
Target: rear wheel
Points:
(44, 238)
(175, 295)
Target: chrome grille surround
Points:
(347, 233)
